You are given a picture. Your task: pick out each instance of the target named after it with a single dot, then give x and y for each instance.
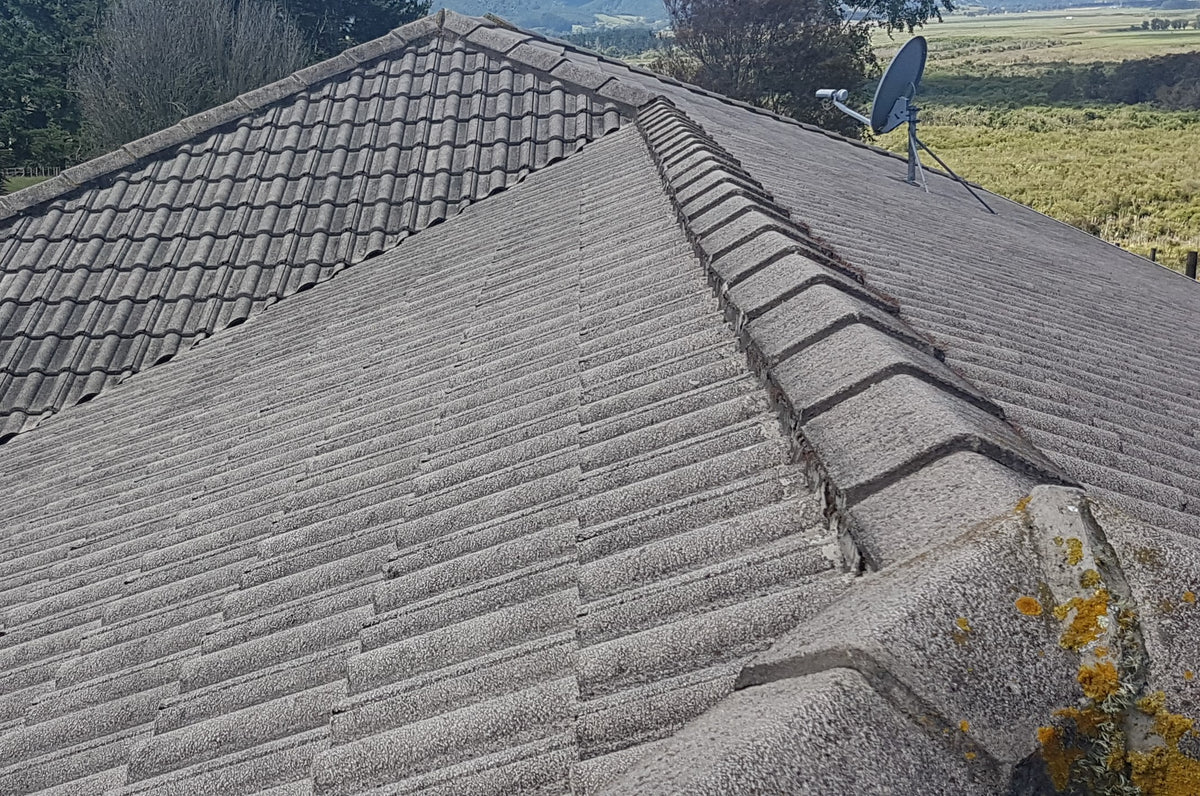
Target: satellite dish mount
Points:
(893, 106)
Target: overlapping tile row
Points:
(489, 512)
(156, 252)
(699, 540)
(204, 580)
(1036, 316)
(465, 680)
(1081, 343)
(868, 398)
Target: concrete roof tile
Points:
(498, 39)
(525, 500)
(854, 357)
(761, 738)
(902, 424)
(930, 507)
(235, 732)
(817, 313)
(1163, 572)
(906, 622)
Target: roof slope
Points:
(1079, 341)
(123, 261)
(509, 508)
(538, 513)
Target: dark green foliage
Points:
(777, 53)
(619, 42)
(1170, 82)
(39, 40)
(333, 25)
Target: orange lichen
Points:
(1101, 652)
(963, 632)
(1074, 551)
(1099, 681)
(1171, 727)
(964, 725)
(1165, 771)
(969, 755)
(1189, 597)
(1188, 674)
(1088, 623)
(1023, 504)
(1029, 606)
(1151, 704)
(1087, 720)
(1059, 758)
(1090, 579)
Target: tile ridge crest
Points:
(678, 146)
(206, 121)
(507, 40)
(725, 100)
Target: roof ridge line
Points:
(723, 99)
(211, 119)
(869, 403)
(500, 40)
(508, 40)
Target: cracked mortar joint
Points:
(1119, 743)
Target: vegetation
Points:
(333, 25)
(777, 53)
(42, 41)
(140, 76)
(39, 117)
(1108, 145)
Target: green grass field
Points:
(1130, 174)
(17, 183)
(1076, 35)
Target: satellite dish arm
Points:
(838, 97)
(852, 113)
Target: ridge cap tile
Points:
(947, 616)
(813, 733)
(854, 442)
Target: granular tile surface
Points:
(486, 511)
(139, 262)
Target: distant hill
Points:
(566, 16)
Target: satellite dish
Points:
(900, 81)
(893, 107)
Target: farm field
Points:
(1129, 173)
(17, 183)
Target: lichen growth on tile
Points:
(1059, 757)
(1029, 605)
(1090, 579)
(963, 631)
(1166, 770)
(1099, 681)
(1074, 551)
(1089, 622)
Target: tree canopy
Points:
(39, 39)
(41, 122)
(155, 61)
(777, 53)
(333, 25)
